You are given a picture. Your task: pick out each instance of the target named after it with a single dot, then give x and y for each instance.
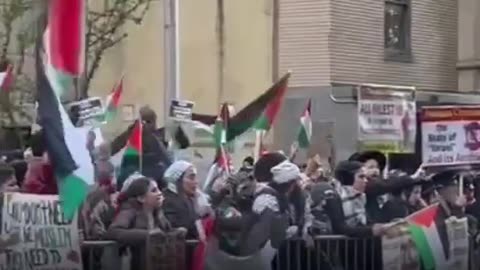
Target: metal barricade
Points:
(332, 252)
(100, 255)
(165, 251)
(329, 253)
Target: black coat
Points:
(180, 212)
(377, 188)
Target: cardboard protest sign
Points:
(181, 109)
(386, 119)
(47, 239)
(400, 250)
(87, 112)
(450, 135)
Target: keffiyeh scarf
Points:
(353, 203)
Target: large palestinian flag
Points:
(260, 113)
(66, 145)
(65, 37)
(266, 119)
(58, 61)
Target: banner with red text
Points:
(386, 119)
(450, 135)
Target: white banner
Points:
(457, 230)
(450, 136)
(386, 119)
(44, 239)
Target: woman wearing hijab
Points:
(185, 205)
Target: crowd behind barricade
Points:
(253, 211)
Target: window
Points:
(397, 29)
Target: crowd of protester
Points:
(265, 202)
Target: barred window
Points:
(397, 27)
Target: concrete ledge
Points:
(468, 64)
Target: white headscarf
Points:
(173, 174)
(285, 172)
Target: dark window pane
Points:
(396, 25)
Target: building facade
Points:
(245, 67)
(468, 45)
(334, 45)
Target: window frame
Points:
(400, 55)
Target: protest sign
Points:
(457, 231)
(398, 250)
(47, 239)
(87, 112)
(181, 109)
(386, 119)
(450, 135)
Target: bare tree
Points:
(105, 28)
(17, 36)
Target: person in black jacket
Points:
(403, 201)
(375, 163)
(347, 213)
(349, 197)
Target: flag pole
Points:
(258, 144)
(171, 54)
(140, 127)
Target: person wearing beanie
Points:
(185, 205)
(262, 168)
(270, 205)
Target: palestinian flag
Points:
(65, 37)
(113, 101)
(62, 58)
(266, 119)
(220, 138)
(134, 148)
(305, 133)
(425, 235)
(263, 106)
(6, 79)
(66, 145)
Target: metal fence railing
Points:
(168, 252)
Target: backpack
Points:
(321, 224)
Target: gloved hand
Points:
(292, 231)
